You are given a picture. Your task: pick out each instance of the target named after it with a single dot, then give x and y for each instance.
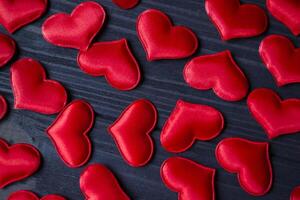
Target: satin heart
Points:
(295, 195)
(234, 20)
(32, 91)
(126, 4)
(14, 13)
(250, 160)
(197, 184)
(76, 30)
(69, 133)
(189, 122)
(281, 59)
(113, 60)
(27, 195)
(218, 72)
(7, 49)
(3, 107)
(277, 117)
(131, 132)
(98, 183)
(17, 162)
(162, 40)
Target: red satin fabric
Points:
(27, 195)
(126, 4)
(69, 133)
(250, 160)
(295, 195)
(190, 179)
(3, 107)
(218, 72)
(162, 40)
(189, 122)
(113, 60)
(131, 132)
(7, 49)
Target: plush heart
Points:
(234, 20)
(189, 122)
(69, 133)
(277, 117)
(3, 107)
(250, 160)
(17, 162)
(15, 14)
(27, 195)
(162, 40)
(281, 58)
(126, 4)
(218, 72)
(76, 30)
(197, 184)
(113, 60)
(32, 91)
(7, 49)
(295, 195)
(98, 183)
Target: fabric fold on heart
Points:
(7, 49)
(3, 107)
(126, 4)
(28, 195)
(295, 195)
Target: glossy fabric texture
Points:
(27, 195)
(189, 122)
(7, 49)
(281, 59)
(113, 60)
(97, 182)
(218, 72)
(76, 30)
(295, 195)
(69, 133)
(277, 117)
(3, 107)
(162, 40)
(131, 132)
(190, 179)
(250, 160)
(126, 4)
(17, 162)
(235, 20)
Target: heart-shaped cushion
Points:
(7, 49)
(126, 4)
(27, 195)
(295, 195)
(3, 107)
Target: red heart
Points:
(17, 162)
(162, 40)
(281, 58)
(98, 182)
(15, 14)
(198, 184)
(27, 195)
(32, 91)
(126, 4)
(3, 107)
(189, 122)
(69, 133)
(234, 20)
(131, 132)
(250, 160)
(76, 30)
(7, 50)
(295, 195)
(114, 60)
(277, 117)
(217, 71)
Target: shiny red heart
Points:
(281, 59)
(76, 30)
(113, 60)
(162, 40)
(250, 160)
(277, 117)
(198, 184)
(15, 14)
(234, 20)
(69, 133)
(3, 107)
(131, 132)
(189, 122)
(218, 72)
(295, 195)
(17, 162)
(7, 49)
(126, 4)
(27, 195)
(98, 182)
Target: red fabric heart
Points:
(197, 184)
(69, 133)
(15, 14)
(32, 91)
(189, 122)
(295, 195)
(7, 49)
(218, 72)
(277, 117)
(98, 182)
(250, 160)
(17, 162)
(131, 132)
(27, 195)
(3, 107)
(126, 4)
(162, 40)
(234, 20)
(113, 60)
(281, 59)
(76, 30)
